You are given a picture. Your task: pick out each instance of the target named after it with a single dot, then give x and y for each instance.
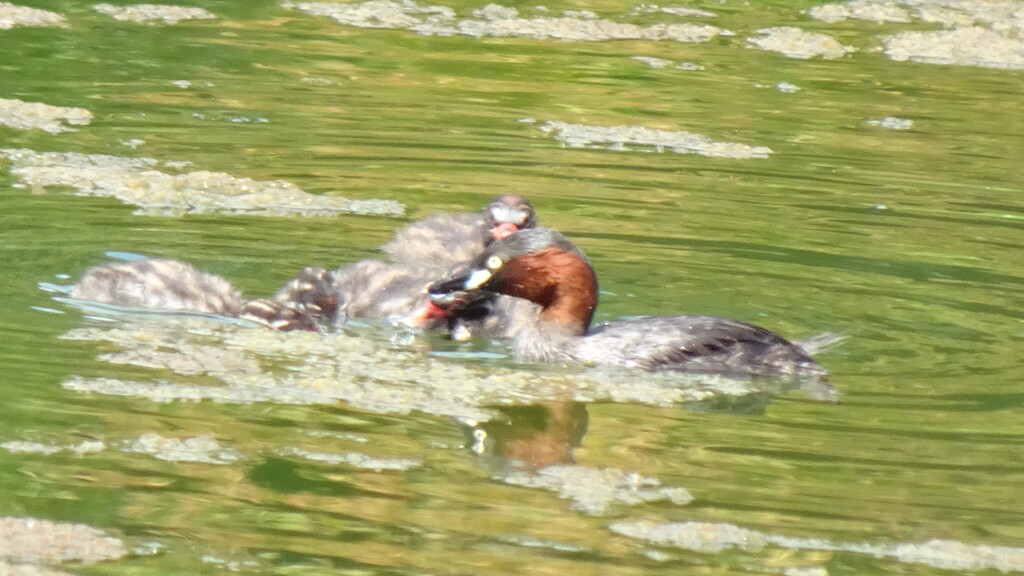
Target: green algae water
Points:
(810, 167)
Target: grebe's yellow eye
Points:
(494, 262)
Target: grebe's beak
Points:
(470, 280)
(442, 291)
(477, 278)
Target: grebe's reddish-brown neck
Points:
(560, 282)
(538, 265)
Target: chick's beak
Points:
(429, 311)
(503, 230)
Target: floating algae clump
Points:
(796, 43)
(886, 11)
(12, 15)
(574, 27)
(892, 123)
(34, 541)
(623, 137)
(365, 371)
(495, 20)
(986, 34)
(697, 536)
(26, 447)
(715, 536)
(23, 115)
(592, 491)
(972, 46)
(203, 449)
(138, 181)
(151, 13)
(358, 460)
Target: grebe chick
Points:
(421, 252)
(172, 285)
(158, 284)
(542, 266)
(370, 289)
(444, 240)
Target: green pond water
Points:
(889, 209)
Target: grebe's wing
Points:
(695, 344)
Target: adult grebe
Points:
(542, 266)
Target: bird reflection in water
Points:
(530, 437)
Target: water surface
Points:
(888, 209)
